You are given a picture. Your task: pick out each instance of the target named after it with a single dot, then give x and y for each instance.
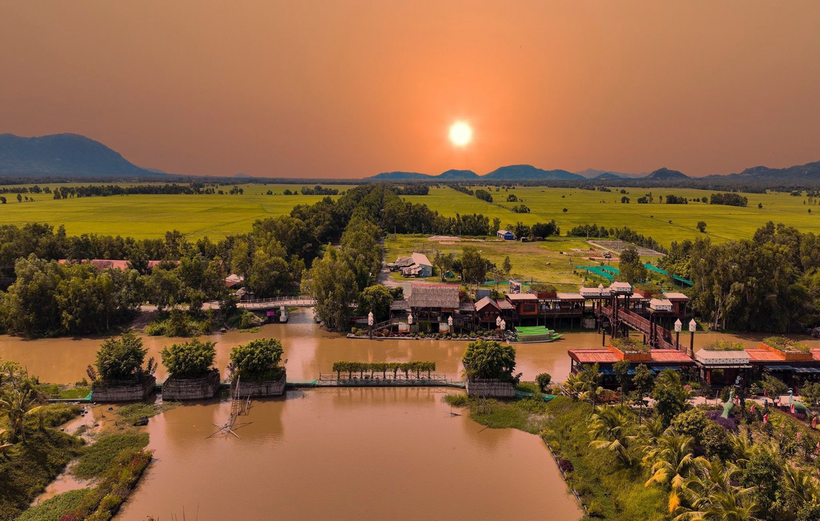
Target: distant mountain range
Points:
(72, 155)
(64, 155)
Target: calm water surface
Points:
(338, 453)
(346, 454)
(309, 350)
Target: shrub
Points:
(456, 400)
(715, 441)
(690, 423)
(258, 359)
(543, 380)
(122, 358)
(189, 359)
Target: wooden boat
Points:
(535, 334)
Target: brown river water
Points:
(337, 453)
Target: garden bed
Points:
(788, 349)
(629, 349)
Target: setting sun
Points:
(461, 134)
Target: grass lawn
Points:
(149, 216)
(604, 208)
(539, 261)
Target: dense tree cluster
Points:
(625, 234)
(319, 190)
(413, 189)
(535, 232)
(769, 283)
(67, 192)
(676, 199)
(484, 195)
(49, 298)
(729, 199)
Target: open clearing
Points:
(531, 261)
(605, 208)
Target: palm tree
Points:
(17, 401)
(590, 380)
(610, 430)
(709, 494)
(800, 486)
(671, 460)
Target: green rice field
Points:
(605, 208)
(196, 216)
(148, 216)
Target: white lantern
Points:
(498, 321)
(678, 326)
(410, 319)
(370, 319)
(503, 325)
(693, 326)
(450, 321)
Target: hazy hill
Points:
(796, 173)
(458, 174)
(665, 174)
(63, 154)
(591, 173)
(607, 176)
(400, 176)
(530, 173)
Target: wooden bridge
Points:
(385, 380)
(657, 336)
(275, 303)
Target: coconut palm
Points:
(800, 486)
(610, 429)
(589, 380)
(17, 401)
(709, 494)
(670, 460)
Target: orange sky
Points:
(353, 88)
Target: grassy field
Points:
(540, 261)
(148, 216)
(604, 208)
(196, 216)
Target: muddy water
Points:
(346, 454)
(309, 350)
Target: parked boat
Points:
(533, 334)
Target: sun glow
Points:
(461, 134)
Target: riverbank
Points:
(92, 473)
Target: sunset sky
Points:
(353, 88)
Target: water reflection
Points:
(311, 350)
(347, 454)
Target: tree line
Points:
(768, 283)
(624, 234)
